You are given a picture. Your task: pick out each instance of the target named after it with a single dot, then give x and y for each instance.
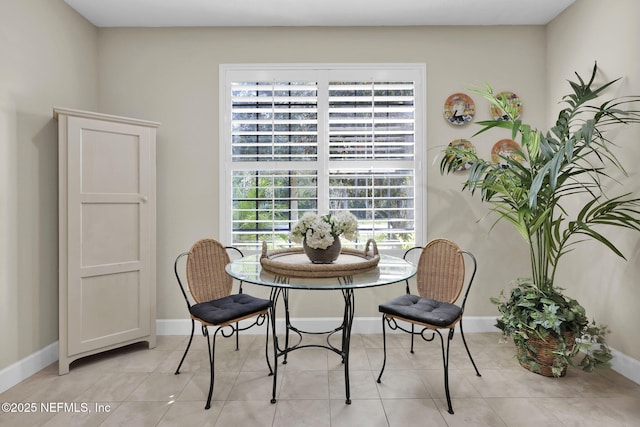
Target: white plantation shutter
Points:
(383, 200)
(266, 202)
(371, 120)
(321, 139)
(274, 121)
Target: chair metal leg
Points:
(266, 345)
(468, 352)
(237, 336)
(211, 345)
(212, 357)
(193, 325)
(445, 363)
(413, 334)
(384, 347)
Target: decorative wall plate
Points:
(459, 109)
(466, 145)
(513, 99)
(506, 148)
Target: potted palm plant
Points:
(531, 189)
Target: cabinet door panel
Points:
(109, 307)
(110, 233)
(108, 248)
(110, 162)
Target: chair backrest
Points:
(206, 276)
(441, 271)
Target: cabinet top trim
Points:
(100, 116)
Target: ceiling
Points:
(299, 13)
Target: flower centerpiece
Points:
(320, 234)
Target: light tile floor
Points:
(135, 386)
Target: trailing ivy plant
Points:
(528, 312)
(571, 162)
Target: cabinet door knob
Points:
(144, 198)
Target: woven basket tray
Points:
(293, 262)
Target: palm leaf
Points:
(573, 158)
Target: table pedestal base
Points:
(345, 328)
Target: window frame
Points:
(294, 72)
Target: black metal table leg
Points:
(274, 297)
(349, 305)
(345, 328)
(287, 322)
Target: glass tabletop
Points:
(390, 270)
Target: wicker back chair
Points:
(441, 271)
(206, 277)
(211, 302)
(440, 279)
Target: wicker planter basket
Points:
(544, 353)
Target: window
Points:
(322, 138)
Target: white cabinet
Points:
(107, 223)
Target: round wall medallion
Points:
(506, 148)
(459, 109)
(463, 144)
(513, 100)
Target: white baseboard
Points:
(23, 369)
(626, 366)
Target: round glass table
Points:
(249, 269)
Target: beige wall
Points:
(171, 75)
(48, 57)
(606, 32)
(51, 56)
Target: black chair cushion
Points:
(423, 310)
(223, 310)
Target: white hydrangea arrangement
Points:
(320, 231)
